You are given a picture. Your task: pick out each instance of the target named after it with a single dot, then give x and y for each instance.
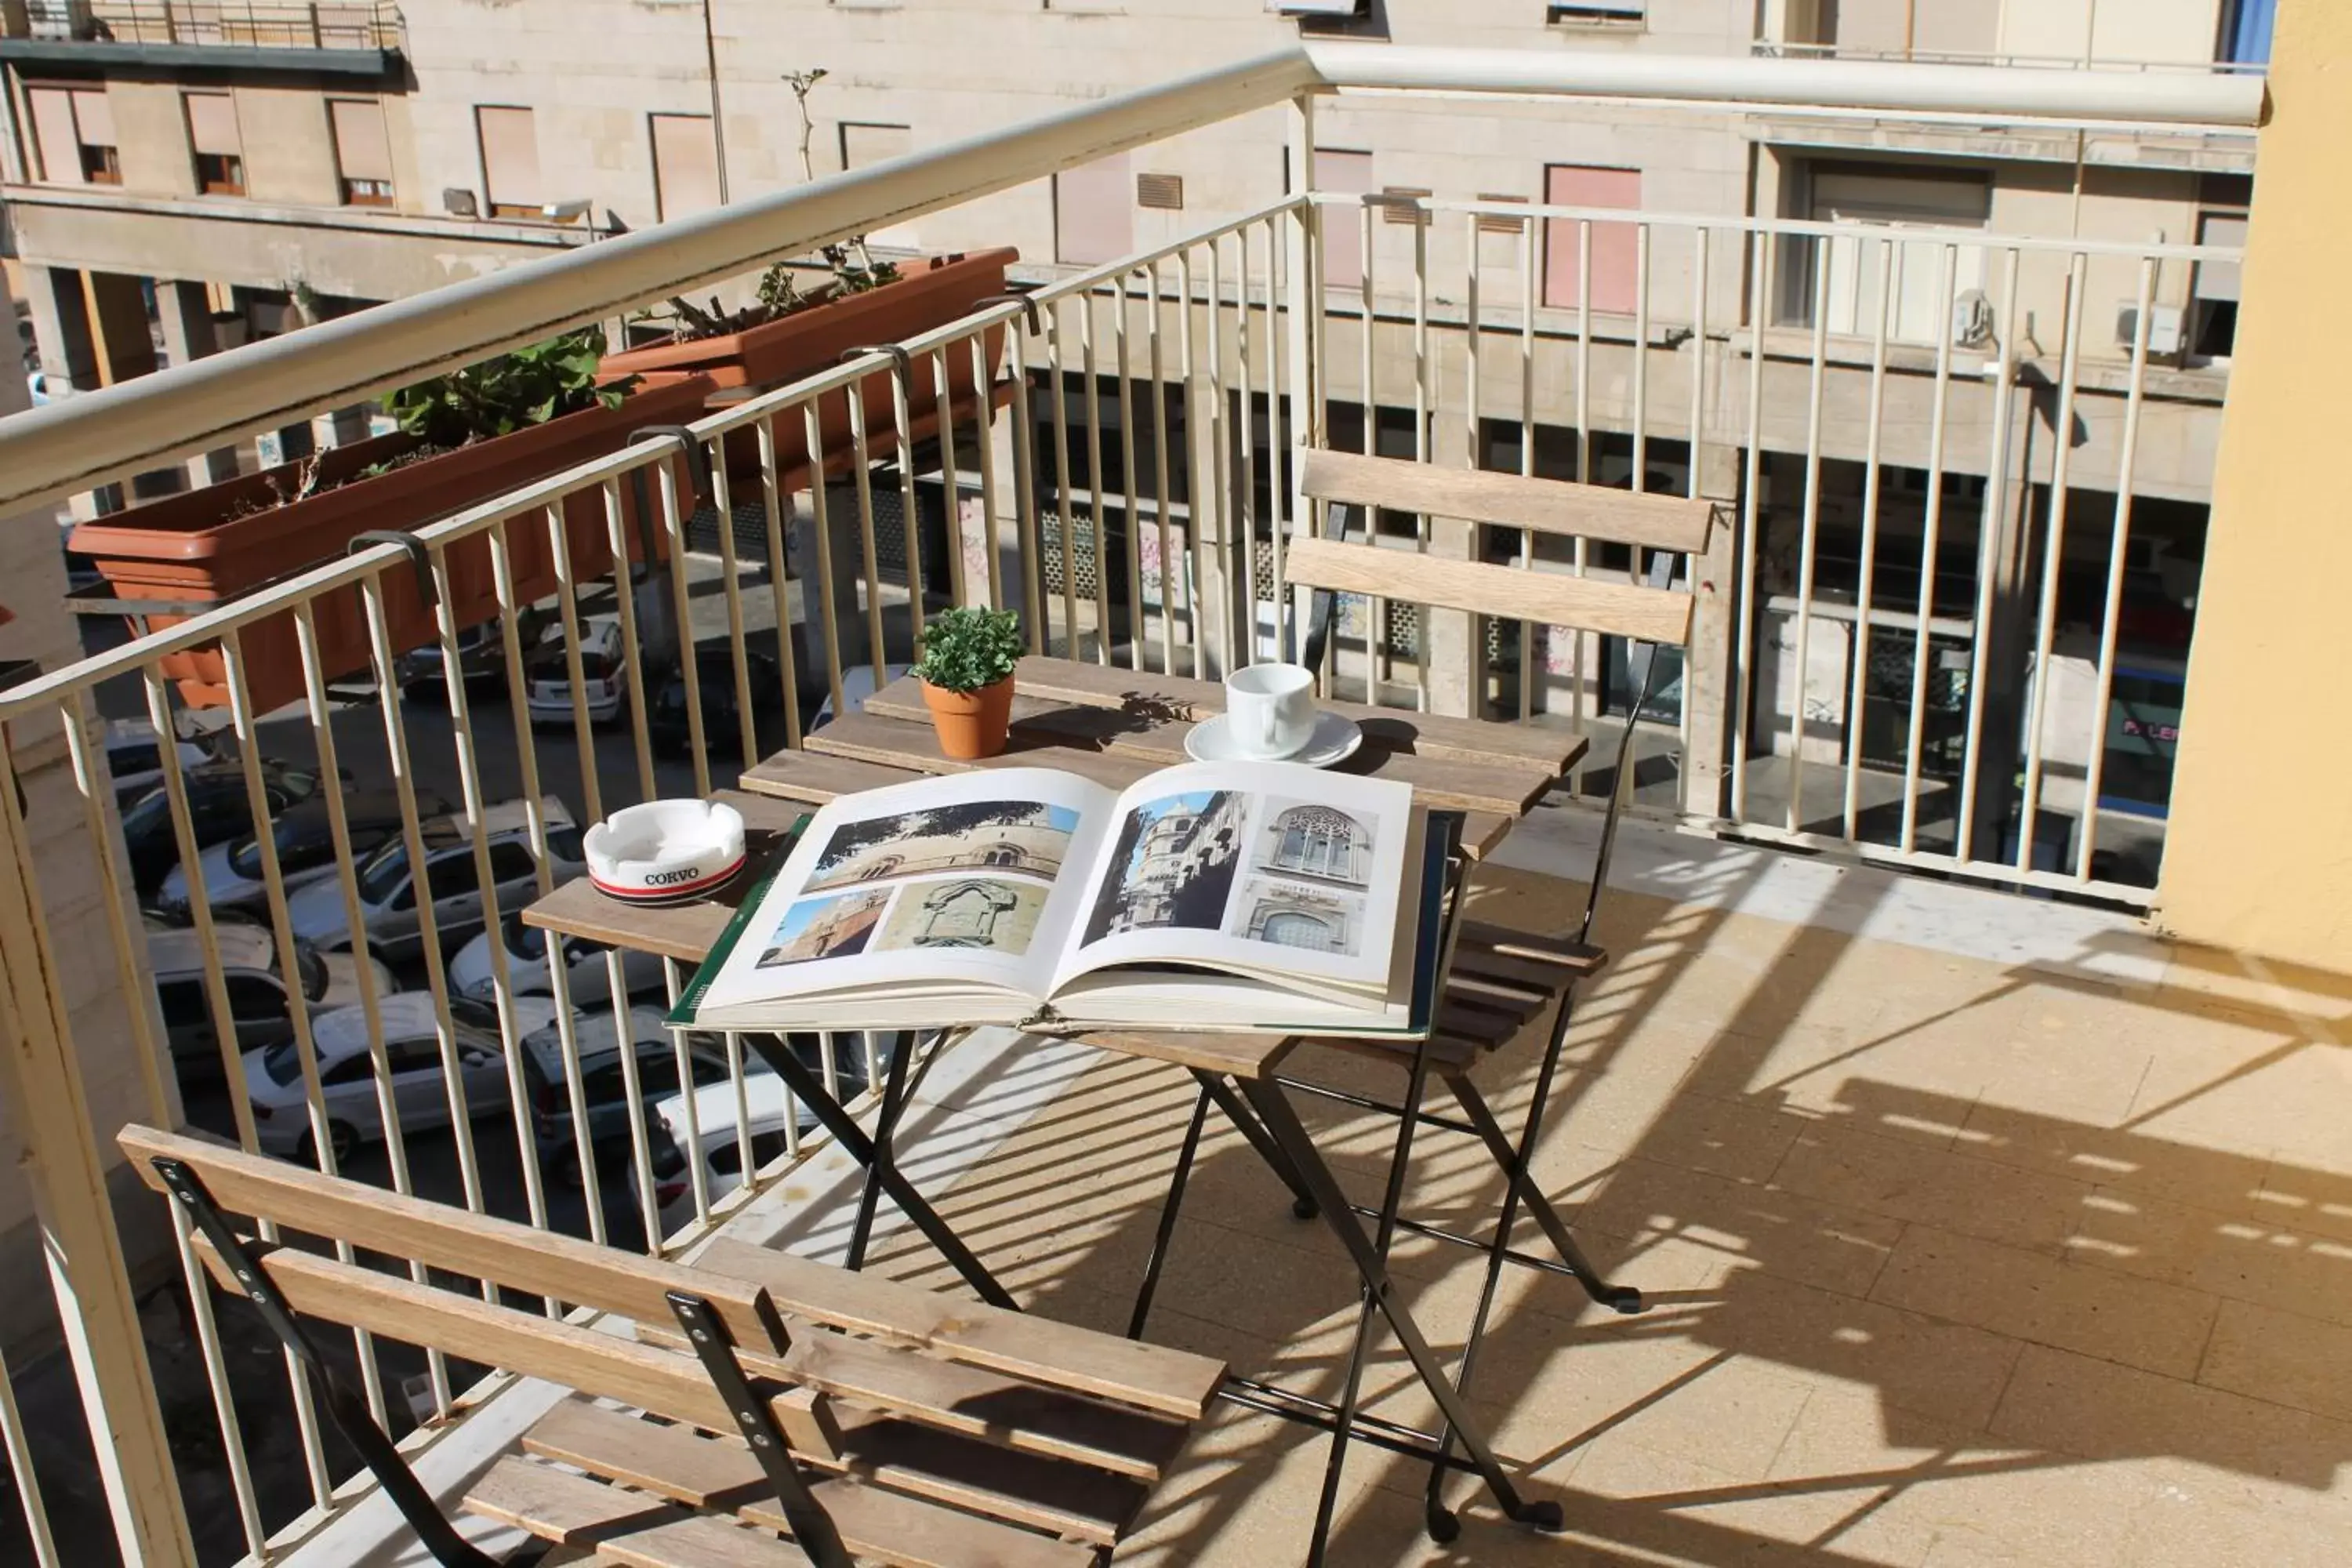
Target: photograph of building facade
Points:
(986, 913)
(1298, 914)
(1173, 865)
(833, 927)
(1019, 837)
(1320, 842)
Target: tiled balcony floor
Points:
(1977, 1230)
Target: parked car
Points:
(481, 656)
(412, 1045)
(387, 883)
(218, 810)
(604, 1084)
(305, 837)
(712, 1130)
(667, 722)
(603, 669)
(260, 1005)
(134, 757)
(589, 983)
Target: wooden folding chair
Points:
(761, 1393)
(1501, 981)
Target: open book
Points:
(1259, 896)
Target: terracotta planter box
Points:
(929, 294)
(225, 541)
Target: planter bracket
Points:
(898, 356)
(698, 460)
(1028, 304)
(418, 555)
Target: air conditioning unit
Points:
(458, 202)
(1319, 7)
(2164, 328)
(1971, 320)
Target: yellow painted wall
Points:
(2259, 855)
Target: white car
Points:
(134, 756)
(260, 1005)
(715, 1120)
(273, 1076)
(589, 980)
(603, 670)
(230, 873)
(388, 891)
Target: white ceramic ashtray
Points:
(666, 852)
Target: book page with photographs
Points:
(940, 885)
(1265, 869)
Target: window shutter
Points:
(686, 164)
(53, 125)
(1398, 205)
(510, 156)
(1094, 212)
(212, 124)
(362, 150)
(1616, 246)
(1343, 173)
(94, 117)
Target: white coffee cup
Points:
(1270, 710)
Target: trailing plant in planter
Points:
(529, 386)
(966, 669)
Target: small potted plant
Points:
(966, 669)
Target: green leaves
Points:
(965, 649)
(500, 396)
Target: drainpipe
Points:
(718, 115)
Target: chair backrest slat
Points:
(396, 1307)
(1544, 598)
(543, 1262)
(1508, 501)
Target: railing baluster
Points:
(1930, 539)
(1871, 486)
(1809, 536)
(1065, 511)
(2054, 559)
(1168, 574)
(1990, 529)
(1133, 525)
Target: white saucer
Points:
(1335, 740)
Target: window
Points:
(1597, 13)
(1615, 285)
(74, 130)
(350, 1070)
(1893, 199)
(509, 140)
(213, 137)
(253, 1000)
(2246, 31)
(183, 1003)
(1317, 841)
(363, 151)
(2216, 286)
(453, 876)
(863, 146)
(1348, 174)
(1094, 212)
(685, 165)
(420, 1055)
(1292, 928)
(511, 862)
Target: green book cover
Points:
(689, 1001)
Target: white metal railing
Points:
(1714, 360)
(1793, 49)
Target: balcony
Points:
(364, 36)
(1978, 1219)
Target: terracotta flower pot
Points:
(929, 294)
(226, 540)
(971, 724)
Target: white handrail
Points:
(54, 451)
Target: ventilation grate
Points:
(1161, 192)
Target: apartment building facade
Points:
(250, 167)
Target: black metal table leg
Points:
(1283, 1123)
(831, 1114)
(1237, 1111)
(885, 1129)
(1391, 1199)
(1168, 1212)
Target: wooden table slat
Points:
(1421, 734)
(683, 932)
